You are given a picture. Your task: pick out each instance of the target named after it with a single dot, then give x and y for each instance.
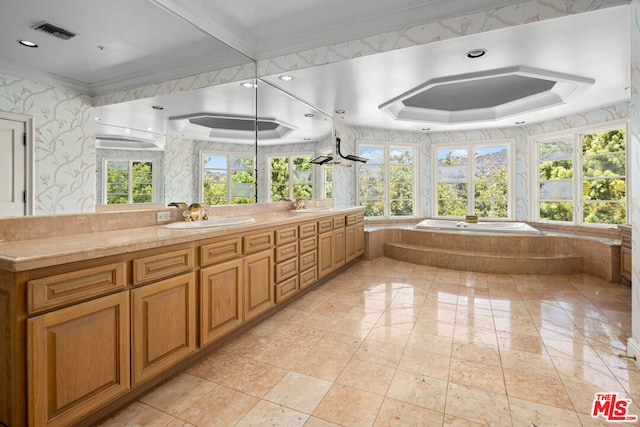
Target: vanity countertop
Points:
(23, 255)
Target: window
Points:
(128, 181)
(582, 177)
(387, 182)
(291, 177)
(474, 179)
(227, 179)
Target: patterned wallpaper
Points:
(64, 143)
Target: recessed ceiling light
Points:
(97, 118)
(476, 53)
(149, 129)
(426, 129)
(309, 115)
(127, 131)
(340, 111)
(520, 122)
(28, 43)
(249, 85)
(286, 78)
(157, 107)
(307, 139)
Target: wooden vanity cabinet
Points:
(221, 304)
(78, 359)
(85, 335)
(625, 254)
(331, 246)
(163, 325)
(354, 236)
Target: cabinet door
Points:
(350, 242)
(258, 284)
(220, 300)
(163, 325)
(77, 359)
(339, 257)
(325, 254)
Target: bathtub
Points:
(482, 226)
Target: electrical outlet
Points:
(163, 216)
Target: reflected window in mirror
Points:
(128, 181)
(328, 180)
(291, 177)
(387, 182)
(227, 179)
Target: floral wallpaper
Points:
(64, 143)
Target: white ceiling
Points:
(146, 41)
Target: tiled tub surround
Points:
(552, 252)
(107, 290)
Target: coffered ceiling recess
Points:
(485, 95)
(237, 128)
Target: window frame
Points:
(470, 146)
(130, 161)
(387, 146)
(289, 157)
(228, 155)
(575, 135)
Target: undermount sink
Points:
(209, 223)
(311, 210)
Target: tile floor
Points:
(389, 343)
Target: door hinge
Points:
(24, 196)
(24, 139)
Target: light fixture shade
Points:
(321, 160)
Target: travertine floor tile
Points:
(392, 344)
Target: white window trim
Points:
(470, 145)
(574, 134)
(416, 173)
(289, 156)
(130, 161)
(228, 155)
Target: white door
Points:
(12, 168)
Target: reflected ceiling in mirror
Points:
(117, 45)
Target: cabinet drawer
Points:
(308, 260)
(307, 230)
(338, 222)
(286, 235)
(55, 291)
(162, 265)
(286, 289)
(286, 269)
(308, 244)
(325, 225)
(213, 253)
(308, 277)
(354, 218)
(257, 242)
(286, 252)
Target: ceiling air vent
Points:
(54, 31)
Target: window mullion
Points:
(471, 193)
(130, 182)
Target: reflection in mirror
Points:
(113, 56)
(284, 159)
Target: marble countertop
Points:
(23, 255)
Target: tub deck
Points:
(495, 253)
